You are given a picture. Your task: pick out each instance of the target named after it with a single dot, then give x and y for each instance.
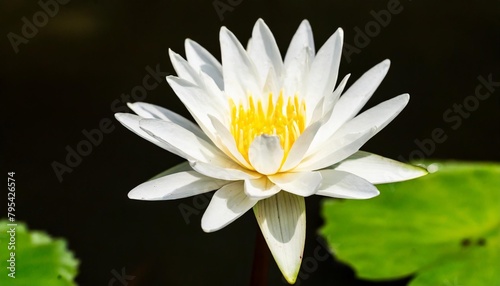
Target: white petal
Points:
(131, 121)
(228, 143)
(271, 84)
(181, 141)
(260, 188)
(183, 69)
(300, 147)
(200, 59)
(264, 51)
(266, 154)
(331, 99)
(175, 186)
(324, 108)
(345, 185)
(351, 102)
(296, 72)
(301, 184)
(378, 116)
(326, 130)
(377, 169)
(298, 59)
(302, 40)
(282, 220)
(240, 75)
(366, 125)
(200, 104)
(231, 171)
(249, 46)
(204, 82)
(324, 70)
(147, 110)
(227, 204)
(343, 147)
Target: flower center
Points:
(285, 120)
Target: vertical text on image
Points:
(11, 217)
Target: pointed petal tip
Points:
(375, 193)
(119, 115)
(223, 30)
(291, 278)
(206, 227)
(171, 53)
(135, 195)
(422, 170)
(340, 31)
(305, 22)
(125, 118)
(305, 25)
(171, 79)
(386, 63)
(404, 97)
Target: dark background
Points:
(65, 78)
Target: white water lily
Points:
(270, 132)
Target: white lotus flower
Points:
(270, 132)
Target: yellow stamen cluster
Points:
(284, 119)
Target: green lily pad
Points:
(444, 228)
(37, 259)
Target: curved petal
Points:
(200, 59)
(183, 69)
(264, 51)
(199, 103)
(338, 184)
(296, 72)
(298, 60)
(376, 117)
(260, 188)
(227, 204)
(249, 46)
(340, 149)
(205, 83)
(301, 184)
(181, 141)
(282, 220)
(231, 171)
(332, 98)
(240, 74)
(351, 102)
(272, 84)
(147, 110)
(266, 154)
(366, 125)
(300, 147)
(324, 70)
(302, 39)
(131, 121)
(329, 102)
(228, 143)
(377, 169)
(175, 186)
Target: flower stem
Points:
(260, 261)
